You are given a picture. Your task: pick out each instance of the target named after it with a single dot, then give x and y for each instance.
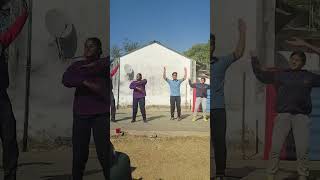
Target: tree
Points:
(129, 46)
(199, 53)
(115, 52)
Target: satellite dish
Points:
(64, 32)
(128, 69)
(57, 23)
(69, 43)
(129, 72)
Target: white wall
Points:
(258, 17)
(149, 61)
(50, 102)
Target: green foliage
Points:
(199, 53)
(129, 46)
(115, 52)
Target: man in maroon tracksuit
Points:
(7, 119)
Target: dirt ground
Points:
(166, 158)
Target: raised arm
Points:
(300, 42)
(238, 53)
(266, 77)
(191, 84)
(133, 85)
(143, 81)
(164, 73)
(7, 37)
(95, 67)
(185, 74)
(71, 78)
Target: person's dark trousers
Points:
(113, 107)
(82, 126)
(141, 102)
(218, 138)
(121, 168)
(175, 101)
(8, 137)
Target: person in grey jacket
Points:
(294, 105)
(201, 98)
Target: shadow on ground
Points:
(32, 164)
(69, 176)
(148, 118)
(238, 173)
(314, 175)
(185, 116)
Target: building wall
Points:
(50, 102)
(149, 61)
(258, 17)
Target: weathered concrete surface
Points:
(159, 123)
(255, 170)
(50, 101)
(54, 166)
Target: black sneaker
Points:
(133, 121)
(113, 120)
(145, 121)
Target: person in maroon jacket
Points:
(139, 93)
(91, 108)
(7, 120)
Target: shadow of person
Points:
(69, 176)
(32, 164)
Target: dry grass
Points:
(166, 158)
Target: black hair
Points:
(301, 55)
(139, 74)
(97, 42)
(203, 78)
(174, 73)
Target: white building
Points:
(150, 61)
(50, 112)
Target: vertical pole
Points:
(118, 96)
(310, 15)
(257, 137)
(28, 68)
(186, 102)
(243, 114)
